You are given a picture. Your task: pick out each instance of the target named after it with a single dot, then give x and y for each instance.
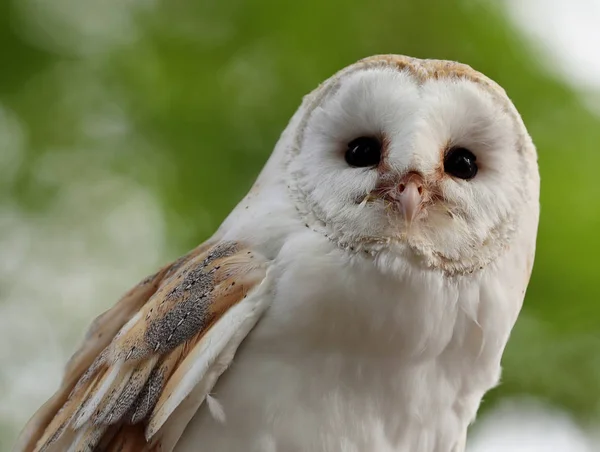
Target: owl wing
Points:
(147, 364)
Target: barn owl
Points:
(359, 298)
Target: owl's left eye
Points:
(363, 151)
(460, 162)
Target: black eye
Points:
(460, 162)
(363, 151)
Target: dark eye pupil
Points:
(363, 151)
(460, 162)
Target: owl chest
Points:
(348, 359)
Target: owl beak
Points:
(410, 195)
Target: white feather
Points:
(216, 409)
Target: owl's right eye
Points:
(363, 151)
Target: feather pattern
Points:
(161, 339)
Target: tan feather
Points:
(58, 425)
(107, 404)
(129, 393)
(88, 438)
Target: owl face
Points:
(432, 164)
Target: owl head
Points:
(425, 158)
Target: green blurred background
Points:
(130, 128)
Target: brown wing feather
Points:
(114, 380)
(97, 338)
(127, 438)
(100, 333)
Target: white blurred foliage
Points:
(526, 425)
(567, 34)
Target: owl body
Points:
(359, 298)
(368, 344)
(350, 359)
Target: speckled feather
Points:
(138, 344)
